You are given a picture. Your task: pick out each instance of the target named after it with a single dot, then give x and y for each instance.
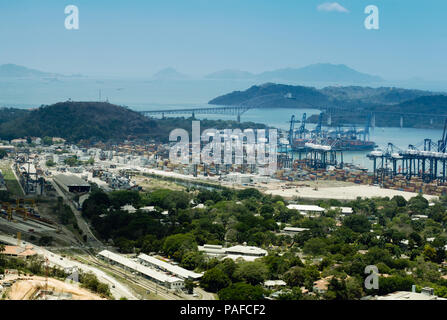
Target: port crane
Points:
(302, 129)
(292, 129)
(319, 124)
(442, 144)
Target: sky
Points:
(139, 37)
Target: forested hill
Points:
(79, 120)
(272, 95)
(96, 121)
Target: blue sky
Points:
(139, 37)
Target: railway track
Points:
(143, 283)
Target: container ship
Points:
(339, 139)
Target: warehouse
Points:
(244, 252)
(151, 274)
(167, 267)
(292, 231)
(310, 210)
(72, 183)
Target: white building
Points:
(247, 253)
(344, 210)
(167, 267)
(426, 294)
(154, 275)
(129, 208)
(305, 209)
(274, 284)
(291, 231)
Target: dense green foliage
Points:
(96, 121)
(381, 232)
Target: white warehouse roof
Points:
(344, 210)
(294, 229)
(138, 267)
(305, 207)
(178, 271)
(246, 250)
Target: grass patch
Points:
(11, 182)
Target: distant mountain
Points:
(275, 95)
(321, 72)
(169, 74)
(16, 71)
(279, 95)
(433, 104)
(231, 74)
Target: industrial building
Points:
(167, 267)
(72, 183)
(247, 253)
(158, 277)
(306, 209)
(292, 231)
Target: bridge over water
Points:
(227, 110)
(238, 110)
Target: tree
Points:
(249, 193)
(45, 241)
(241, 291)
(295, 277)
(400, 201)
(5, 196)
(337, 290)
(357, 223)
(48, 141)
(294, 294)
(251, 272)
(228, 266)
(192, 259)
(429, 253)
(418, 204)
(189, 286)
(176, 245)
(3, 154)
(315, 246)
(214, 280)
(393, 284)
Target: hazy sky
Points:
(139, 37)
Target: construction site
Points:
(17, 287)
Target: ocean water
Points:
(149, 94)
(279, 118)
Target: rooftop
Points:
(18, 251)
(71, 180)
(138, 267)
(170, 267)
(305, 207)
(405, 295)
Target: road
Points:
(92, 241)
(117, 289)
